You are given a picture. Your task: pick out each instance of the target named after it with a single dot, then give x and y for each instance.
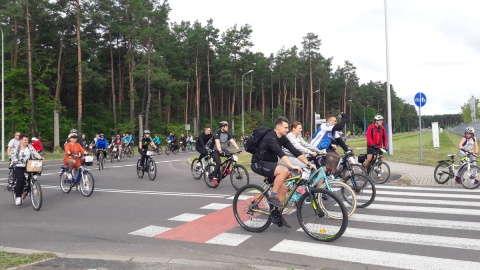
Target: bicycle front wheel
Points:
(470, 177)
(207, 176)
(239, 176)
(345, 193)
(167, 150)
(140, 171)
(380, 173)
(443, 173)
(251, 209)
(36, 195)
(152, 169)
(131, 153)
(65, 185)
(364, 189)
(100, 161)
(197, 169)
(314, 212)
(87, 184)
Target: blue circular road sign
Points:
(420, 99)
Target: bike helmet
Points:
(223, 124)
(378, 117)
(470, 130)
(101, 135)
(73, 130)
(146, 131)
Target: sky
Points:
(434, 45)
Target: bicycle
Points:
(115, 155)
(150, 166)
(238, 173)
(254, 214)
(126, 151)
(445, 170)
(158, 150)
(198, 165)
(190, 146)
(379, 170)
(336, 186)
(183, 146)
(78, 177)
(101, 158)
(32, 187)
(171, 147)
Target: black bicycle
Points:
(238, 173)
(32, 187)
(115, 154)
(150, 166)
(171, 148)
(198, 165)
(379, 170)
(101, 158)
(126, 151)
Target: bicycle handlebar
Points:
(469, 152)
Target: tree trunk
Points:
(186, 104)
(33, 127)
(112, 75)
(197, 85)
(263, 99)
(79, 56)
(56, 139)
(131, 90)
(209, 85)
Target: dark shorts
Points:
(371, 151)
(264, 168)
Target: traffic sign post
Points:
(420, 100)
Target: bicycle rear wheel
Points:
(470, 177)
(364, 189)
(314, 215)
(196, 168)
(87, 184)
(239, 176)
(152, 169)
(112, 156)
(345, 193)
(140, 171)
(443, 173)
(207, 176)
(131, 153)
(65, 185)
(167, 149)
(251, 209)
(36, 195)
(380, 172)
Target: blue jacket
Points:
(101, 144)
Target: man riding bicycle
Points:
(220, 138)
(264, 162)
(203, 142)
(376, 138)
(101, 144)
(117, 142)
(143, 144)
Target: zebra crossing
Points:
(406, 227)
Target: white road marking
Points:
(437, 210)
(435, 223)
(150, 231)
(363, 256)
(423, 194)
(216, 206)
(426, 201)
(187, 217)
(228, 239)
(442, 189)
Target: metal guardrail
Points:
(460, 129)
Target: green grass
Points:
(406, 147)
(9, 260)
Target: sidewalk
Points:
(417, 175)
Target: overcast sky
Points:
(434, 44)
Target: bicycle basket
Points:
(332, 161)
(34, 166)
(361, 158)
(150, 153)
(88, 160)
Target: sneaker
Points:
(18, 200)
(215, 181)
(284, 223)
(275, 201)
(379, 176)
(324, 197)
(457, 180)
(69, 176)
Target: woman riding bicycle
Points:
(20, 154)
(143, 144)
(73, 151)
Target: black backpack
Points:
(253, 142)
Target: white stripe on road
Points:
(411, 238)
(436, 195)
(425, 201)
(434, 223)
(186, 217)
(150, 231)
(437, 210)
(363, 256)
(442, 189)
(228, 239)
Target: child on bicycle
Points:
(73, 151)
(468, 143)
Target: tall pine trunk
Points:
(33, 127)
(79, 55)
(112, 79)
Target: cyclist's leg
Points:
(368, 160)
(203, 153)
(19, 174)
(143, 158)
(97, 154)
(218, 162)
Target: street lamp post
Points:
(3, 103)
(364, 119)
(243, 105)
(313, 115)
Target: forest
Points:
(117, 66)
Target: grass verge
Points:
(8, 259)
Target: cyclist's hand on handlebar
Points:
(297, 168)
(313, 154)
(312, 166)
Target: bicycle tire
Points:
(239, 176)
(206, 176)
(384, 172)
(359, 169)
(100, 161)
(443, 172)
(196, 168)
(36, 195)
(167, 150)
(344, 192)
(472, 179)
(131, 153)
(246, 200)
(159, 150)
(151, 169)
(140, 172)
(66, 188)
(314, 215)
(112, 157)
(87, 184)
(364, 189)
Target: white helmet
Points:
(470, 130)
(378, 117)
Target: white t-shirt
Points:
(13, 143)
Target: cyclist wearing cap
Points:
(376, 138)
(73, 150)
(220, 139)
(101, 144)
(80, 142)
(143, 144)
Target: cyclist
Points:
(20, 154)
(73, 130)
(73, 150)
(173, 140)
(220, 139)
(203, 142)
(117, 142)
(37, 144)
(126, 140)
(190, 139)
(101, 144)
(13, 142)
(376, 138)
(157, 140)
(296, 139)
(84, 141)
(143, 144)
(327, 136)
(468, 143)
(264, 162)
(130, 141)
(183, 141)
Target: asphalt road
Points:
(178, 217)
